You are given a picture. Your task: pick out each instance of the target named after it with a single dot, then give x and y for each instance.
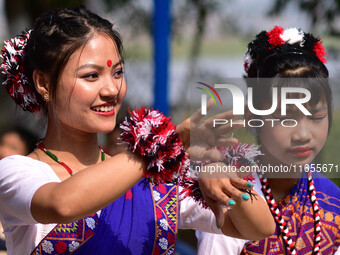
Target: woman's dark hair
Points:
(282, 64)
(57, 34)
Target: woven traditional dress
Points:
(297, 212)
(143, 221)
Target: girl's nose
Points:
(302, 132)
(110, 88)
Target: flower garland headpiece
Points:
(18, 84)
(274, 39)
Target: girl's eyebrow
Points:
(98, 67)
(118, 63)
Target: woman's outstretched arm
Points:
(87, 191)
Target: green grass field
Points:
(222, 46)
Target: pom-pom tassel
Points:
(238, 155)
(153, 136)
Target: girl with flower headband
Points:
(306, 207)
(68, 196)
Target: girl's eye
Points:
(318, 117)
(118, 73)
(90, 76)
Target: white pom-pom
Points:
(293, 35)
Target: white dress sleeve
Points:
(211, 240)
(221, 244)
(218, 244)
(194, 216)
(20, 178)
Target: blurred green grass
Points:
(230, 45)
(221, 46)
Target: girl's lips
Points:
(106, 114)
(106, 109)
(106, 104)
(301, 151)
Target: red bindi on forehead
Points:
(109, 63)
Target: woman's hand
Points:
(236, 211)
(200, 137)
(222, 190)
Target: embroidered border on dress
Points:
(67, 238)
(166, 218)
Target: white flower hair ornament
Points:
(293, 35)
(267, 42)
(19, 86)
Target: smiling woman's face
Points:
(91, 87)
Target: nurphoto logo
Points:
(238, 100)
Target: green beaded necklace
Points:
(42, 147)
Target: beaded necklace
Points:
(42, 147)
(283, 225)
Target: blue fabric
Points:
(126, 226)
(328, 194)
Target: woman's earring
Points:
(46, 96)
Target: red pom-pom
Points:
(238, 155)
(154, 136)
(274, 37)
(320, 51)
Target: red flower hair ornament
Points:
(19, 86)
(277, 37)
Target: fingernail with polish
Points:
(250, 184)
(231, 202)
(245, 197)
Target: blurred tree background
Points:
(323, 14)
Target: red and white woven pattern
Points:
(281, 222)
